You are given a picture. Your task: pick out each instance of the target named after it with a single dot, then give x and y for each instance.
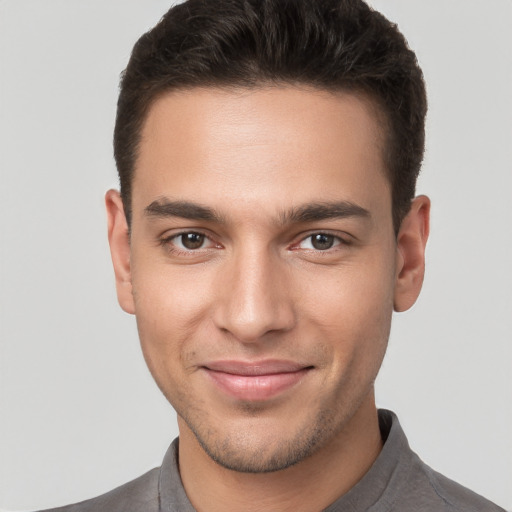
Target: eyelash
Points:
(338, 241)
(167, 242)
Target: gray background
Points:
(79, 411)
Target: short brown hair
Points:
(329, 44)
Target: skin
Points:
(257, 289)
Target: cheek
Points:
(169, 298)
(169, 307)
(351, 312)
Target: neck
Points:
(339, 465)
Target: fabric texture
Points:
(398, 481)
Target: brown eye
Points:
(192, 240)
(322, 242)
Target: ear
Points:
(119, 240)
(411, 242)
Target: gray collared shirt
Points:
(398, 481)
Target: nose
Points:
(255, 297)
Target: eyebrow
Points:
(310, 212)
(313, 212)
(164, 208)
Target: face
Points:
(262, 266)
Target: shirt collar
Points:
(380, 484)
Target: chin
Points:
(256, 449)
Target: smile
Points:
(255, 381)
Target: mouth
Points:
(255, 381)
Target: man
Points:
(265, 231)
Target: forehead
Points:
(260, 146)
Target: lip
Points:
(255, 381)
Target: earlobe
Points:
(410, 262)
(119, 240)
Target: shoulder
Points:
(139, 494)
(430, 490)
(410, 484)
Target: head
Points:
(268, 152)
(333, 45)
